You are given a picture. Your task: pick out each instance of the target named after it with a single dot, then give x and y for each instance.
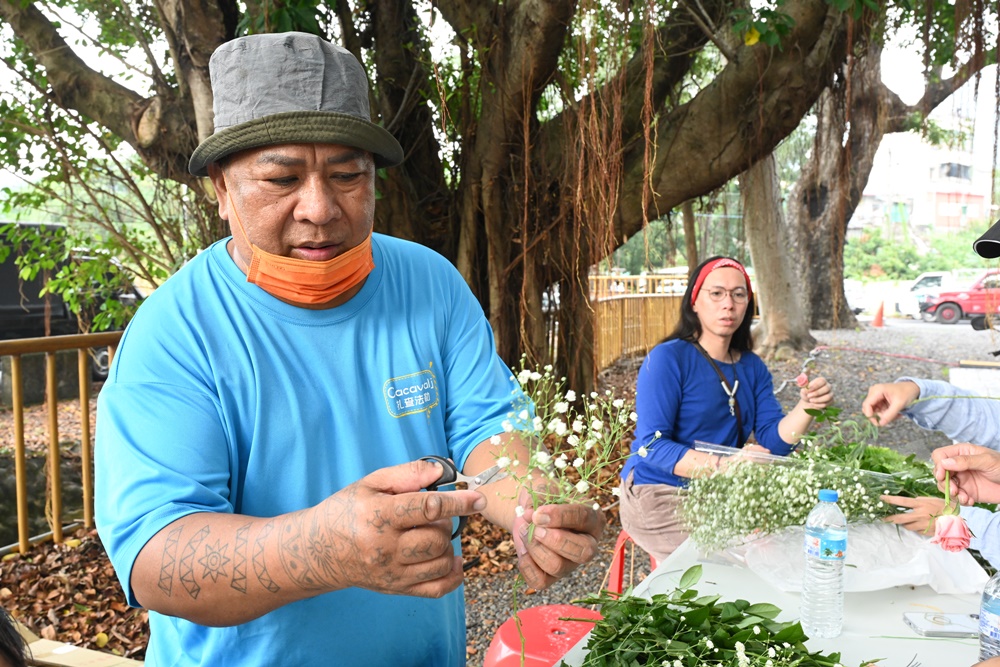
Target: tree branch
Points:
(74, 84)
(709, 31)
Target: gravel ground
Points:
(852, 360)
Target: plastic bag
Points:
(879, 556)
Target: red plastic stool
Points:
(546, 637)
(616, 573)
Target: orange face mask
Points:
(302, 281)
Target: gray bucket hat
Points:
(291, 87)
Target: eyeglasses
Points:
(739, 295)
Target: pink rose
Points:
(951, 533)
(802, 380)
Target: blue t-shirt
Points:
(222, 398)
(679, 394)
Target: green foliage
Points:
(79, 268)
(681, 628)
(871, 255)
(281, 16)
(764, 24)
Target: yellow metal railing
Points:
(632, 324)
(50, 346)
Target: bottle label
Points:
(989, 624)
(824, 548)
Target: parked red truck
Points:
(980, 298)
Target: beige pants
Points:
(649, 515)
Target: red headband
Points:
(712, 266)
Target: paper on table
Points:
(879, 556)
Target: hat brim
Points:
(987, 246)
(298, 127)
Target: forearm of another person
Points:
(380, 534)
(697, 464)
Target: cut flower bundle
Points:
(748, 499)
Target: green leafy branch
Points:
(684, 629)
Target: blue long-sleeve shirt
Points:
(975, 420)
(679, 395)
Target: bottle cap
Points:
(828, 495)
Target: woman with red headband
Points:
(703, 384)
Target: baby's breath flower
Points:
(562, 407)
(570, 395)
(642, 452)
(582, 486)
(519, 511)
(577, 462)
(495, 440)
(618, 403)
(503, 461)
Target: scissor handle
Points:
(449, 472)
(449, 475)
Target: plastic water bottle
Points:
(989, 619)
(823, 582)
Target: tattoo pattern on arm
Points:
(169, 561)
(259, 566)
(315, 548)
(214, 561)
(186, 569)
(239, 581)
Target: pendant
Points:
(732, 404)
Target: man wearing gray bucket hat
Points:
(261, 434)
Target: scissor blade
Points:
(488, 476)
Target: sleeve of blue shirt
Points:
(657, 403)
(941, 407)
(985, 527)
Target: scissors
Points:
(450, 475)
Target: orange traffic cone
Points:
(877, 322)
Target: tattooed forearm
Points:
(313, 548)
(166, 582)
